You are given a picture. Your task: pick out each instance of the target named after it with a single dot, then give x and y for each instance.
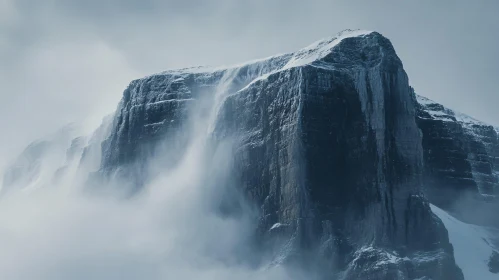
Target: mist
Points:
(173, 228)
(64, 61)
(69, 62)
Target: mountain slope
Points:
(326, 147)
(473, 246)
(478, 141)
(329, 144)
(461, 157)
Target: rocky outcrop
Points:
(158, 105)
(461, 159)
(330, 144)
(327, 148)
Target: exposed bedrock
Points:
(327, 148)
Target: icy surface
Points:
(276, 226)
(384, 257)
(307, 55)
(273, 64)
(472, 246)
(314, 52)
(285, 111)
(445, 114)
(321, 48)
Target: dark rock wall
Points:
(329, 151)
(332, 153)
(461, 162)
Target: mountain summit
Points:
(327, 148)
(329, 144)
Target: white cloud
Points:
(170, 231)
(57, 84)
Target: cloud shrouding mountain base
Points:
(172, 229)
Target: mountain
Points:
(461, 161)
(473, 144)
(332, 147)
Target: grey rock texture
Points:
(331, 145)
(327, 148)
(461, 157)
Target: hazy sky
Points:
(63, 60)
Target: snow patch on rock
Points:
(438, 111)
(321, 48)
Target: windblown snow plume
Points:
(307, 165)
(53, 225)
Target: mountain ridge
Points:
(330, 148)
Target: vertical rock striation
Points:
(461, 157)
(328, 148)
(331, 152)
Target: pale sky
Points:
(67, 60)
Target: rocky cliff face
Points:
(461, 157)
(329, 144)
(158, 106)
(327, 148)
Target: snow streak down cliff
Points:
(329, 144)
(477, 142)
(327, 148)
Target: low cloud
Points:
(172, 229)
